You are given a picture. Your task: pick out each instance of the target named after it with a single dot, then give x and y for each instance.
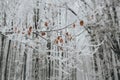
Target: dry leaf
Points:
(46, 24)
(43, 33)
(67, 33)
(59, 37)
(30, 29)
(81, 23)
(61, 40)
(74, 25)
(29, 33)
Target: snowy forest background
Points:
(59, 39)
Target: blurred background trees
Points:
(59, 40)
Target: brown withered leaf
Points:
(29, 33)
(46, 24)
(81, 23)
(59, 37)
(67, 33)
(61, 40)
(74, 25)
(43, 33)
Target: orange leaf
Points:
(30, 28)
(43, 33)
(61, 40)
(81, 22)
(58, 37)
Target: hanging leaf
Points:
(43, 33)
(58, 40)
(59, 37)
(67, 33)
(29, 33)
(61, 40)
(46, 24)
(81, 23)
(30, 29)
(74, 25)
(69, 37)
